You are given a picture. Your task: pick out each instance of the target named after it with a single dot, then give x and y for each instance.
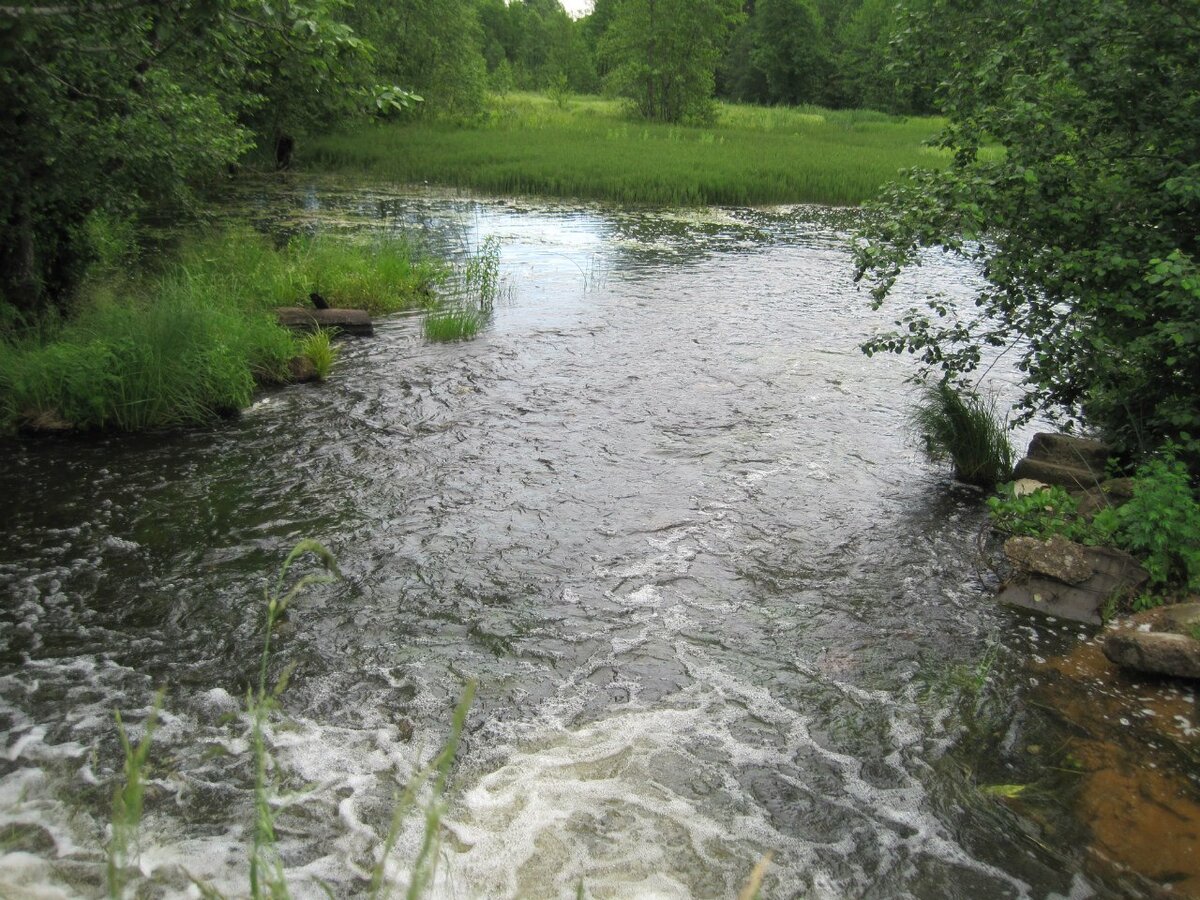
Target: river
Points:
(662, 510)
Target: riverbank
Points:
(149, 344)
(587, 147)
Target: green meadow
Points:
(588, 147)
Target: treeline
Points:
(834, 53)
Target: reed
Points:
(470, 305)
(966, 429)
(529, 144)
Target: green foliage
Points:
(1084, 226)
(430, 46)
(1161, 524)
(662, 54)
(966, 429)
(190, 344)
(319, 349)
(1043, 513)
(532, 147)
(789, 58)
(127, 108)
(530, 45)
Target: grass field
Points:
(528, 144)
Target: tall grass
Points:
(320, 350)
(470, 307)
(381, 273)
(128, 800)
(531, 144)
(189, 344)
(966, 429)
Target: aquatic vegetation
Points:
(967, 430)
(174, 357)
(319, 349)
(128, 802)
(531, 145)
(469, 309)
(380, 273)
(453, 323)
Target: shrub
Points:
(1042, 514)
(1160, 524)
(967, 430)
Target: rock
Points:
(1114, 574)
(1072, 462)
(1071, 477)
(1070, 452)
(1112, 492)
(1156, 652)
(1023, 487)
(1056, 558)
(348, 321)
(301, 369)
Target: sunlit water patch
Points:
(663, 511)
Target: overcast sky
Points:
(577, 7)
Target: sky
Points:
(577, 7)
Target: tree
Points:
(662, 54)
(432, 47)
(790, 50)
(1074, 183)
(128, 105)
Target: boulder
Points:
(1023, 487)
(301, 369)
(1072, 462)
(1071, 452)
(1057, 558)
(1155, 652)
(45, 421)
(1073, 478)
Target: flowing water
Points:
(663, 511)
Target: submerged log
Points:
(348, 321)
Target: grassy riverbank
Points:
(190, 341)
(529, 144)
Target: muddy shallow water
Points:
(670, 519)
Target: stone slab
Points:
(1114, 573)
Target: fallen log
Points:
(348, 321)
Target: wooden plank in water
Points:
(348, 321)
